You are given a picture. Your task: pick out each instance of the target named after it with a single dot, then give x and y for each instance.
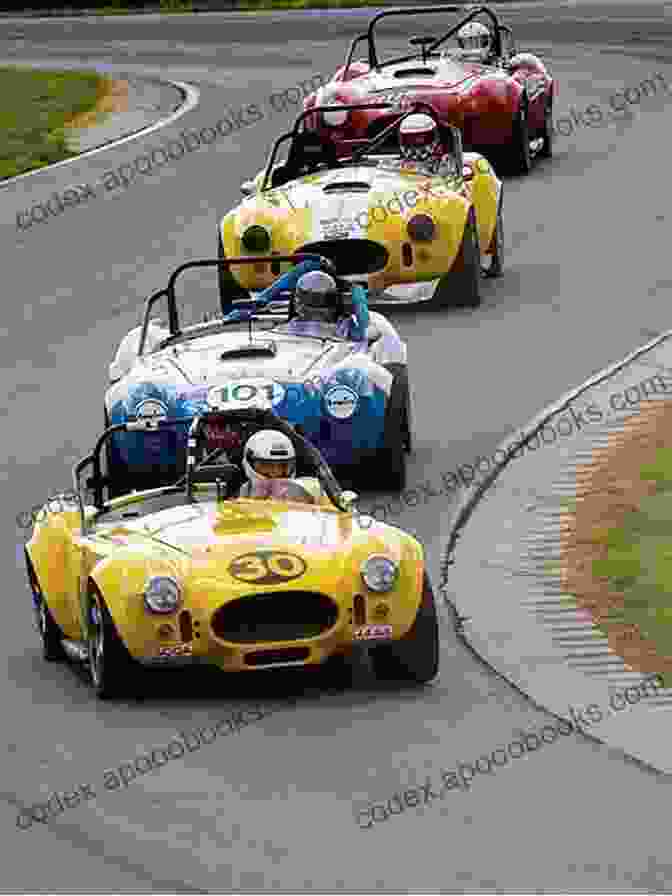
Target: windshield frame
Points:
(375, 64)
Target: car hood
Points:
(335, 204)
(443, 73)
(213, 359)
(205, 539)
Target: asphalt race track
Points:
(275, 806)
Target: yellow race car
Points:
(378, 217)
(190, 573)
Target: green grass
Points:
(639, 560)
(36, 105)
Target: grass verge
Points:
(38, 106)
(617, 541)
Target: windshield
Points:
(199, 312)
(391, 37)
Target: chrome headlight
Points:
(256, 239)
(162, 595)
(379, 573)
(335, 119)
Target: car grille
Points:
(277, 616)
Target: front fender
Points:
(121, 581)
(289, 227)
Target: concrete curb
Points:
(469, 503)
(190, 98)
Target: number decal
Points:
(245, 393)
(286, 565)
(267, 567)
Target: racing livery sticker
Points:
(150, 408)
(267, 567)
(373, 633)
(341, 402)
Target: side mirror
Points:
(373, 334)
(248, 188)
(116, 371)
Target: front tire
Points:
(388, 470)
(461, 286)
(497, 257)
(50, 632)
(546, 151)
(229, 288)
(112, 668)
(517, 156)
(414, 657)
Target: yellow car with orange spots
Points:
(380, 219)
(190, 573)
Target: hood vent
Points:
(347, 186)
(415, 73)
(250, 350)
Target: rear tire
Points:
(414, 657)
(229, 288)
(461, 286)
(113, 670)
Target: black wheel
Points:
(497, 258)
(517, 155)
(388, 471)
(50, 633)
(113, 670)
(117, 472)
(229, 288)
(461, 286)
(415, 657)
(546, 151)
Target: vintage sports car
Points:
(500, 99)
(350, 399)
(189, 573)
(377, 217)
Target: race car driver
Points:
(318, 302)
(269, 462)
(420, 147)
(476, 42)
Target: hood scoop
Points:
(347, 186)
(415, 73)
(259, 349)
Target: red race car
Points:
(472, 76)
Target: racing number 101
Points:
(245, 392)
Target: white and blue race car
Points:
(349, 396)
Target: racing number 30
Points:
(267, 567)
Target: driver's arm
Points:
(360, 318)
(286, 281)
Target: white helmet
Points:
(476, 39)
(418, 137)
(265, 452)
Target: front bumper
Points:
(198, 642)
